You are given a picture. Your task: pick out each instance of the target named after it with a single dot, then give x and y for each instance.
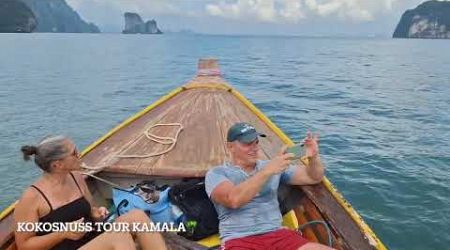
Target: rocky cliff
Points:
(428, 20)
(58, 16)
(15, 16)
(135, 25)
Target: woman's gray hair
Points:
(49, 149)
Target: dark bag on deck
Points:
(200, 215)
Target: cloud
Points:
(293, 11)
(211, 16)
(271, 11)
(145, 8)
(262, 10)
(344, 9)
(259, 10)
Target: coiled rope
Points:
(159, 139)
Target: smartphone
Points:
(297, 150)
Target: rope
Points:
(159, 139)
(155, 138)
(330, 238)
(106, 181)
(85, 166)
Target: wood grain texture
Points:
(206, 114)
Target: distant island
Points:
(430, 19)
(42, 16)
(16, 17)
(135, 25)
(58, 16)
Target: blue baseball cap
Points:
(243, 132)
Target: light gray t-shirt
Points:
(260, 215)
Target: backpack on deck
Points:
(200, 216)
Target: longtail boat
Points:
(197, 115)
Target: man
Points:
(244, 192)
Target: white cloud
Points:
(354, 10)
(274, 11)
(294, 11)
(145, 8)
(262, 10)
(212, 15)
(257, 10)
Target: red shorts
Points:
(282, 239)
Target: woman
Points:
(61, 195)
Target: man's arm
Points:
(235, 196)
(314, 172)
(308, 175)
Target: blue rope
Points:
(330, 238)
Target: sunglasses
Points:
(74, 153)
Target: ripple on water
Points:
(381, 111)
(338, 80)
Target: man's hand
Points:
(311, 144)
(279, 163)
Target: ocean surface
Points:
(381, 107)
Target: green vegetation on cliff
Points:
(15, 16)
(58, 16)
(428, 20)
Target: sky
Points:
(253, 17)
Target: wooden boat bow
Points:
(207, 106)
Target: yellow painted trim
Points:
(264, 118)
(373, 239)
(194, 85)
(290, 220)
(7, 211)
(211, 241)
(248, 104)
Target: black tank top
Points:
(69, 212)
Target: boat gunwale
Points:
(368, 233)
(8, 210)
(334, 192)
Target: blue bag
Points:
(159, 211)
